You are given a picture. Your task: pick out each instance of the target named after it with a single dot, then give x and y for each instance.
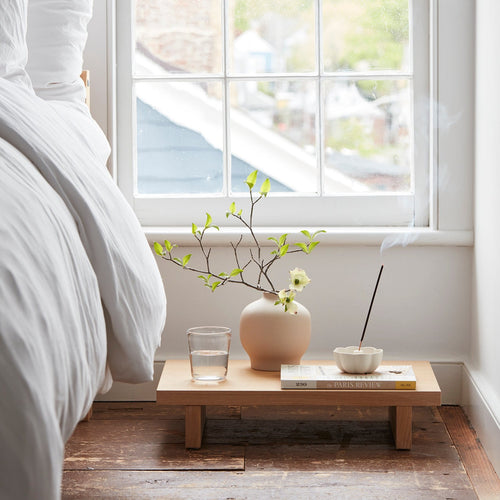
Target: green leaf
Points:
(185, 259)
(194, 228)
(215, 284)
(169, 246)
(272, 238)
(240, 212)
(265, 188)
(318, 232)
(215, 227)
(232, 207)
(312, 245)
(303, 247)
(283, 250)
(206, 280)
(158, 248)
(178, 260)
(306, 233)
(282, 239)
(250, 180)
(223, 275)
(209, 221)
(235, 272)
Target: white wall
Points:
(481, 388)
(421, 310)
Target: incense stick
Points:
(370, 308)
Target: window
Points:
(328, 98)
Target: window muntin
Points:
(284, 118)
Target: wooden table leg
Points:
(195, 424)
(401, 423)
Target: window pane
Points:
(179, 138)
(174, 36)
(273, 129)
(271, 36)
(367, 135)
(364, 35)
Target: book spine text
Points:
(348, 384)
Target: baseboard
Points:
(134, 392)
(448, 376)
(487, 427)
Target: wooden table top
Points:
(245, 386)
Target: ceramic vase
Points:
(272, 337)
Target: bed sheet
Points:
(52, 330)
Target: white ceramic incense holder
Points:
(354, 360)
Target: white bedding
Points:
(70, 249)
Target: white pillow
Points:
(13, 50)
(56, 37)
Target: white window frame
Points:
(396, 210)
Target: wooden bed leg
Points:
(401, 423)
(195, 424)
(87, 417)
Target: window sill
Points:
(389, 236)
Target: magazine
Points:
(331, 377)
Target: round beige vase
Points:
(272, 337)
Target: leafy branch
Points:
(255, 257)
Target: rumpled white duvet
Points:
(80, 292)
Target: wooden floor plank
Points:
(130, 456)
(260, 485)
(273, 432)
(148, 410)
(367, 459)
(380, 413)
(134, 431)
(473, 456)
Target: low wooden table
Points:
(247, 387)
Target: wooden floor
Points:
(136, 451)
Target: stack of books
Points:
(331, 377)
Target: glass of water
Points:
(209, 352)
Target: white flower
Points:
(286, 297)
(298, 279)
(292, 308)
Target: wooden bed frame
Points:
(85, 76)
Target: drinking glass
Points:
(209, 352)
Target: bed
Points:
(81, 299)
